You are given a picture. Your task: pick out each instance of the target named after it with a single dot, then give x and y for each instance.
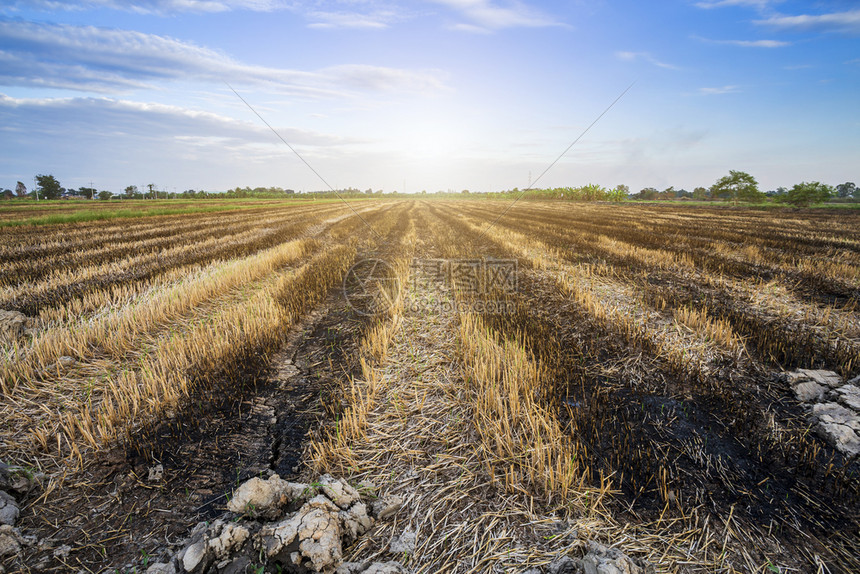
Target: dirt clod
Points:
(8, 509)
(265, 497)
(603, 560)
(387, 506)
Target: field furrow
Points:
(528, 378)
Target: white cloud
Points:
(759, 4)
(486, 15)
(756, 43)
(118, 142)
(747, 43)
(373, 20)
(719, 91)
(103, 60)
(645, 57)
(138, 121)
(481, 16)
(844, 22)
(470, 28)
(151, 6)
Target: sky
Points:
(428, 95)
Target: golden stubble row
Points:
(117, 329)
(619, 306)
(26, 270)
(206, 353)
(331, 452)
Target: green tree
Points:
(49, 187)
(105, 195)
(130, 191)
(8, 194)
(618, 194)
(847, 189)
(806, 193)
(737, 186)
(700, 193)
(648, 193)
(21, 189)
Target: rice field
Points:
(625, 382)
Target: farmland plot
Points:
(633, 379)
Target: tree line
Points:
(737, 186)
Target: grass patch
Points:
(78, 215)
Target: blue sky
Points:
(435, 94)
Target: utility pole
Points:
(35, 188)
(92, 192)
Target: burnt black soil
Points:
(682, 443)
(114, 517)
(673, 443)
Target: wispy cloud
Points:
(759, 4)
(123, 141)
(376, 19)
(644, 57)
(151, 6)
(138, 120)
(746, 43)
(103, 60)
(719, 91)
(486, 15)
(843, 22)
(755, 43)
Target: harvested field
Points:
(677, 383)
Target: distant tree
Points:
(806, 193)
(49, 187)
(105, 195)
(737, 186)
(152, 192)
(847, 189)
(648, 193)
(88, 192)
(130, 191)
(8, 194)
(623, 188)
(21, 189)
(669, 193)
(465, 191)
(779, 193)
(701, 193)
(618, 194)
